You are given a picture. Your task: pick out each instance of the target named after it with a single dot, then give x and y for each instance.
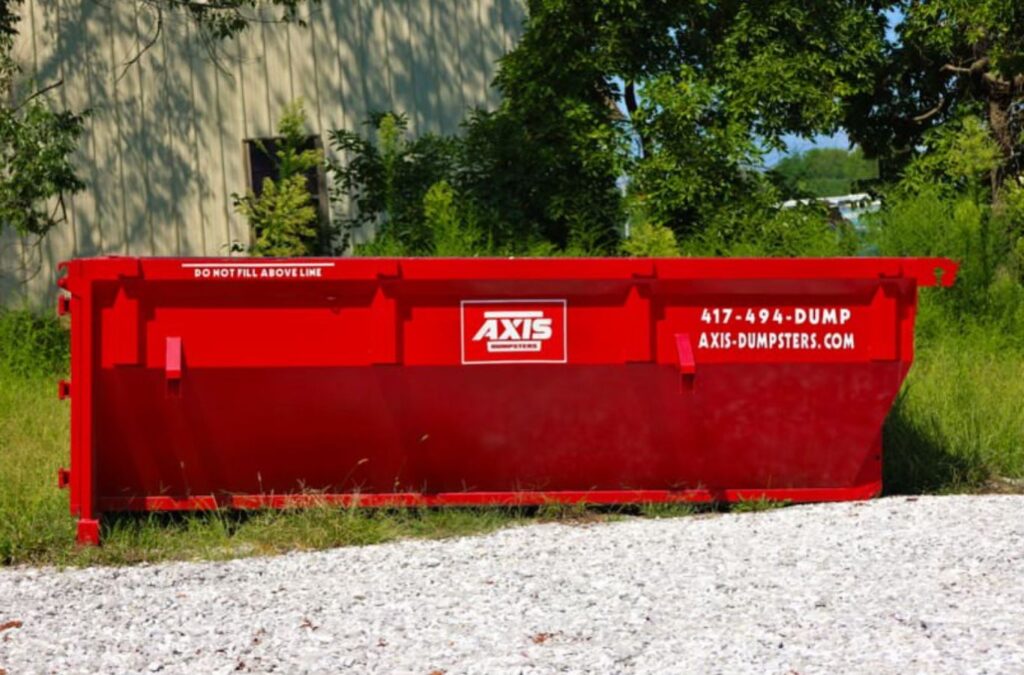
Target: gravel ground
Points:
(927, 585)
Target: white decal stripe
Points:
(254, 265)
(513, 315)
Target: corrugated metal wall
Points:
(163, 149)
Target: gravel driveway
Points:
(934, 584)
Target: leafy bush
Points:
(381, 188)
(957, 158)
(763, 229)
(647, 239)
(944, 207)
(283, 216)
(451, 232)
(927, 223)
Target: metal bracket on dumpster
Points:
(687, 364)
(172, 364)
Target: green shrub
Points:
(451, 232)
(381, 186)
(650, 240)
(763, 230)
(931, 222)
(283, 217)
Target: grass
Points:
(957, 424)
(757, 505)
(959, 420)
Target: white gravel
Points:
(926, 585)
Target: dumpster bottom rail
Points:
(89, 528)
(523, 498)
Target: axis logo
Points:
(514, 331)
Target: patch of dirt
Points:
(1003, 486)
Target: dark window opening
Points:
(262, 162)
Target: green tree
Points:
(283, 216)
(705, 88)
(951, 59)
(825, 172)
(615, 110)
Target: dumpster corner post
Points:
(88, 532)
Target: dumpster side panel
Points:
(201, 383)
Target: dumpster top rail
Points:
(925, 271)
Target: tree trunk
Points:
(999, 122)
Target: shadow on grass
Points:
(917, 461)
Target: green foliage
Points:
(988, 289)
(667, 509)
(956, 157)
(227, 19)
(35, 145)
(675, 100)
(381, 187)
(384, 186)
(943, 207)
(696, 161)
(529, 195)
(556, 114)
(32, 344)
(825, 172)
(706, 87)
(1011, 211)
(452, 234)
(950, 59)
(759, 228)
(283, 216)
(649, 240)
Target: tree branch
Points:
(149, 44)
(37, 94)
(928, 114)
(956, 70)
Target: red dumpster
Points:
(250, 383)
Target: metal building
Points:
(165, 139)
